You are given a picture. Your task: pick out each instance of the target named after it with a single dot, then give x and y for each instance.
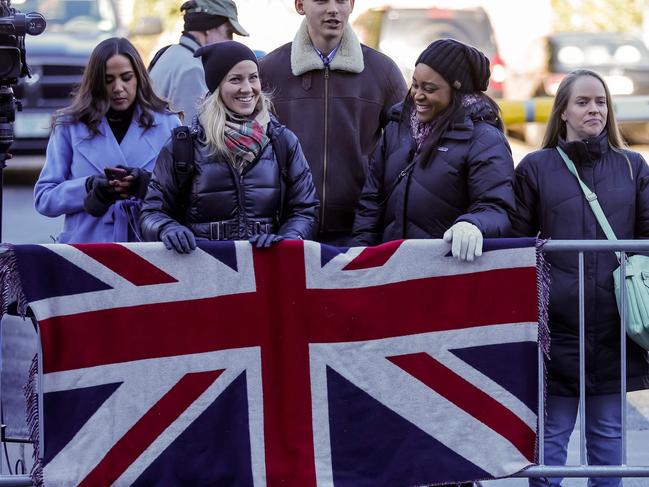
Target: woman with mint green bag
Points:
(551, 203)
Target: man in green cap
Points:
(177, 75)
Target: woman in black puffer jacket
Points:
(551, 203)
(443, 167)
(238, 189)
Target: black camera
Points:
(14, 26)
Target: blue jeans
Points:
(603, 435)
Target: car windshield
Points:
(406, 32)
(72, 15)
(590, 51)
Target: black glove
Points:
(265, 240)
(100, 195)
(178, 237)
(140, 183)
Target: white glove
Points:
(467, 240)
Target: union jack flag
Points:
(301, 365)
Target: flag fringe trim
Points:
(543, 290)
(11, 291)
(31, 398)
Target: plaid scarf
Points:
(246, 139)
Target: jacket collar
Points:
(102, 149)
(304, 58)
(586, 151)
(190, 42)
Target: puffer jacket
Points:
(469, 179)
(550, 201)
(240, 203)
(338, 113)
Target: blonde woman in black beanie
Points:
(443, 168)
(249, 179)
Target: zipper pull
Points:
(326, 72)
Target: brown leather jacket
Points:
(337, 113)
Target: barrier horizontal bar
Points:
(596, 245)
(584, 471)
(15, 480)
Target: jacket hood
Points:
(477, 108)
(304, 58)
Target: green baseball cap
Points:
(223, 8)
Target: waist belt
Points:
(230, 229)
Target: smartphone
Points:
(113, 173)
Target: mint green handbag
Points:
(636, 290)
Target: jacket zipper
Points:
(326, 143)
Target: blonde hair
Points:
(213, 114)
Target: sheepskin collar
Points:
(304, 58)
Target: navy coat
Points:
(219, 193)
(469, 179)
(550, 201)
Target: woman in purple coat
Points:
(551, 203)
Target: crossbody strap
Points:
(590, 197)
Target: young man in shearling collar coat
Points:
(336, 95)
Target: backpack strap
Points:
(280, 148)
(161, 51)
(183, 155)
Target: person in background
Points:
(552, 205)
(250, 179)
(177, 75)
(335, 94)
(103, 147)
(443, 168)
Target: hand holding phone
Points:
(115, 173)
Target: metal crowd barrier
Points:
(583, 469)
(542, 470)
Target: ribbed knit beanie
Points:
(463, 67)
(221, 57)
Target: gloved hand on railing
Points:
(465, 239)
(265, 240)
(178, 237)
(100, 195)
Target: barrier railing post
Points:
(623, 311)
(582, 364)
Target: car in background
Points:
(57, 58)
(621, 59)
(403, 33)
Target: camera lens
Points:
(9, 62)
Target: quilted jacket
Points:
(468, 179)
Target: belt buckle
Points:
(218, 230)
(257, 228)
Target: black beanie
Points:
(221, 57)
(463, 67)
